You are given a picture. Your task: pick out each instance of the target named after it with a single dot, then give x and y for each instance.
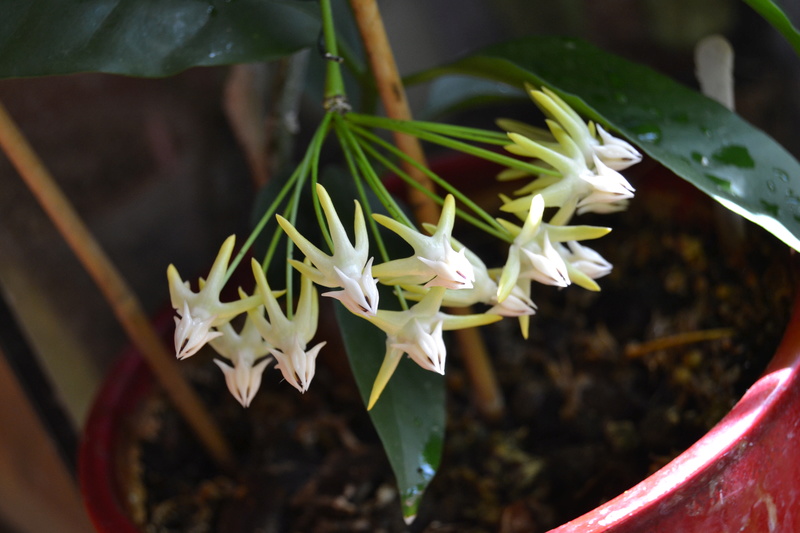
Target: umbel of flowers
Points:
(572, 166)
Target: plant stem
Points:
(334, 83)
(120, 297)
(393, 97)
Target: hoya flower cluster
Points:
(580, 165)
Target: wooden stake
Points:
(393, 96)
(119, 296)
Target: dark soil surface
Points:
(609, 388)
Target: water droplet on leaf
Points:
(780, 174)
(649, 133)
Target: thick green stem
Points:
(334, 82)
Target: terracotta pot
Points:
(744, 475)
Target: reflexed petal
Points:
(548, 266)
(360, 296)
(455, 272)
(516, 304)
(426, 348)
(192, 333)
(243, 380)
(614, 152)
(298, 366)
(587, 260)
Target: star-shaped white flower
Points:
(610, 193)
(483, 291)
(418, 332)
(596, 189)
(288, 337)
(585, 155)
(584, 265)
(591, 138)
(613, 151)
(532, 254)
(545, 263)
(200, 311)
(246, 352)
(350, 266)
(434, 260)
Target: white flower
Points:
(192, 333)
(423, 344)
(587, 260)
(349, 267)
(242, 350)
(434, 260)
(584, 265)
(418, 332)
(288, 338)
(615, 152)
(610, 188)
(591, 188)
(360, 294)
(202, 310)
(532, 254)
(546, 264)
(484, 291)
(588, 165)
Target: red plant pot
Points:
(744, 475)
(125, 386)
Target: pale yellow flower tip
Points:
(389, 365)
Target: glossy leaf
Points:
(695, 137)
(149, 37)
(448, 94)
(410, 414)
(775, 16)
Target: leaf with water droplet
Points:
(648, 133)
(149, 38)
(588, 79)
(780, 174)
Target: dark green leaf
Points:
(775, 16)
(149, 37)
(454, 93)
(410, 414)
(693, 136)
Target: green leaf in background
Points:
(410, 414)
(695, 137)
(448, 94)
(148, 37)
(775, 16)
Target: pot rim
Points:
(758, 412)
